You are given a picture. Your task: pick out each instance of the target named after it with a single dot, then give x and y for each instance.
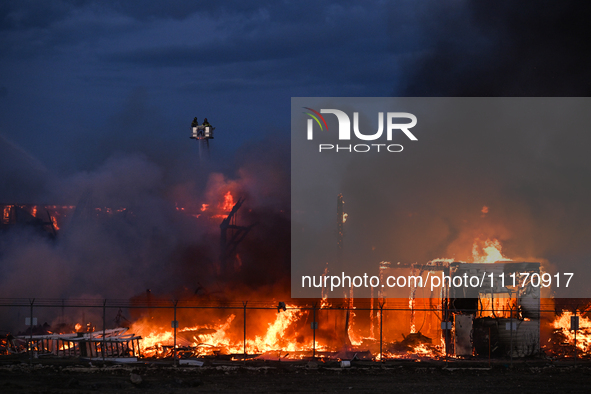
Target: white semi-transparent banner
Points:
(441, 197)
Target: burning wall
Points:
(505, 316)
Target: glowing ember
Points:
(6, 214)
(54, 222)
(324, 290)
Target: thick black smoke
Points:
(156, 237)
(535, 184)
(500, 48)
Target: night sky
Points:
(99, 95)
(81, 80)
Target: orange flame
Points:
(6, 214)
(228, 202)
(282, 329)
(484, 211)
(54, 222)
(562, 323)
(487, 252)
(500, 306)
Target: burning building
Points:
(503, 320)
(30, 216)
(226, 293)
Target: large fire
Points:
(562, 325)
(488, 251)
(281, 335)
(410, 328)
(228, 202)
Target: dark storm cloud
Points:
(22, 177)
(506, 48)
(70, 66)
(271, 47)
(16, 15)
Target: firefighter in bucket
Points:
(203, 131)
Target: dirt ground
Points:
(59, 376)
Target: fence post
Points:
(176, 324)
(314, 334)
(104, 348)
(31, 334)
(511, 328)
(244, 331)
(576, 329)
(381, 328)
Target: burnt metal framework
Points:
(92, 345)
(510, 330)
(231, 234)
(515, 333)
(15, 215)
(340, 230)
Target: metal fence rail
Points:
(379, 306)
